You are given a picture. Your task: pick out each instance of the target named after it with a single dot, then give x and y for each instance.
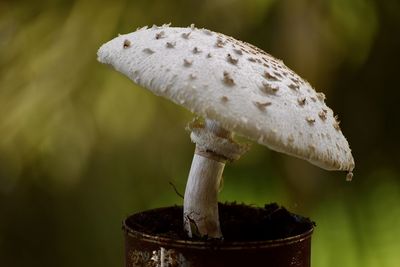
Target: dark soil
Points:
(238, 222)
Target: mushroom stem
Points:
(201, 195)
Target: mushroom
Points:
(229, 98)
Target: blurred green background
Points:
(81, 147)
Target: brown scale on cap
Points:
(349, 176)
(170, 44)
(301, 101)
(185, 35)
(231, 59)
(336, 124)
(209, 55)
(262, 105)
(322, 115)
(277, 74)
(244, 50)
(219, 43)
(196, 50)
(148, 51)
(251, 59)
(294, 86)
(187, 63)
(126, 44)
(310, 120)
(192, 76)
(268, 88)
(313, 99)
(228, 79)
(269, 77)
(160, 35)
(267, 61)
(224, 99)
(321, 96)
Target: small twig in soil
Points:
(193, 226)
(176, 190)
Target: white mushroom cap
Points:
(236, 84)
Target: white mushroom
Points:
(241, 96)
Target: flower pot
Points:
(169, 249)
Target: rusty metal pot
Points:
(147, 250)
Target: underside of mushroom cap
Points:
(236, 84)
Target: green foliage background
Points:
(81, 147)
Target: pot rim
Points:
(221, 245)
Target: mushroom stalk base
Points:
(201, 197)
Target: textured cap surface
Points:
(236, 84)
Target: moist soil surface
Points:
(239, 222)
